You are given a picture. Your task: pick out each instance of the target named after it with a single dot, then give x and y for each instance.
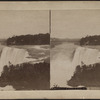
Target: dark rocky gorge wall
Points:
(86, 75)
(21, 70)
(26, 76)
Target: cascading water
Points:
(65, 61)
(60, 70)
(13, 56)
(86, 56)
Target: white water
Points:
(13, 56)
(64, 61)
(86, 55)
(7, 88)
(60, 70)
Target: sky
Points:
(75, 23)
(17, 22)
(64, 23)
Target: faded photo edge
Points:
(73, 94)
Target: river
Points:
(64, 59)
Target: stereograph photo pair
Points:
(50, 46)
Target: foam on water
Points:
(60, 70)
(13, 56)
(66, 57)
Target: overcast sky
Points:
(23, 22)
(65, 24)
(75, 23)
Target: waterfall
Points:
(86, 56)
(10, 55)
(60, 69)
(66, 57)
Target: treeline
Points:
(26, 76)
(88, 76)
(38, 39)
(90, 40)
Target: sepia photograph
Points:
(75, 50)
(49, 50)
(24, 50)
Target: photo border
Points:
(50, 5)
